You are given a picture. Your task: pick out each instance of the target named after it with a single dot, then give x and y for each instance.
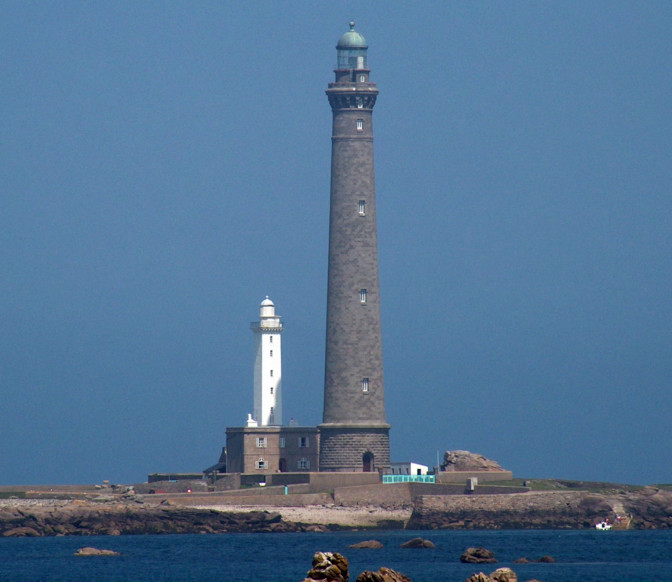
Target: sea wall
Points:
(257, 499)
(391, 494)
(482, 476)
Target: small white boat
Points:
(604, 525)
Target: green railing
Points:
(409, 479)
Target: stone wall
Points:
(227, 481)
(482, 476)
(329, 481)
(260, 498)
(174, 486)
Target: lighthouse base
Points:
(354, 447)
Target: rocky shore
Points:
(28, 518)
(645, 508)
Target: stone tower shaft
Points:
(354, 426)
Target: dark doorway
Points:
(367, 462)
(283, 465)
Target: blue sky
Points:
(165, 166)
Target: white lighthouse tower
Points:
(267, 367)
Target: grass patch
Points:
(12, 495)
(568, 485)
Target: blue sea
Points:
(644, 556)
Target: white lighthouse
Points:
(267, 367)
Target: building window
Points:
(261, 464)
(362, 295)
(303, 463)
(282, 442)
(360, 103)
(261, 442)
(303, 442)
(362, 207)
(271, 353)
(362, 78)
(271, 389)
(271, 373)
(365, 384)
(270, 339)
(360, 125)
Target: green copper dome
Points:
(352, 40)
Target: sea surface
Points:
(584, 556)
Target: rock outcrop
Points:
(504, 575)
(478, 556)
(548, 510)
(499, 575)
(418, 543)
(466, 461)
(382, 575)
(328, 567)
(86, 518)
(367, 545)
(333, 567)
(88, 551)
(541, 560)
(650, 508)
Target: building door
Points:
(367, 462)
(283, 465)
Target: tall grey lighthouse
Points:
(354, 435)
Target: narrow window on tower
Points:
(271, 373)
(271, 389)
(362, 78)
(362, 207)
(261, 442)
(365, 384)
(362, 295)
(261, 464)
(303, 442)
(282, 442)
(271, 353)
(270, 339)
(360, 125)
(360, 103)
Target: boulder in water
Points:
(477, 556)
(418, 543)
(504, 575)
(367, 545)
(88, 551)
(328, 567)
(382, 575)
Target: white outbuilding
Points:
(408, 468)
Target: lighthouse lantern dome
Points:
(351, 50)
